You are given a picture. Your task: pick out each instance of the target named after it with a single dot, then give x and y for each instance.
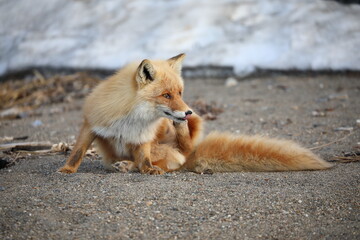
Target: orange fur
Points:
(125, 115)
(223, 152)
(140, 122)
(109, 95)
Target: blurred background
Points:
(240, 36)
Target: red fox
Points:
(139, 121)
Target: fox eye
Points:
(166, 95)
(180, 93)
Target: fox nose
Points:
(188, 112)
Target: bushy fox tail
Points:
(223, 152)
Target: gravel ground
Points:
(38, 203)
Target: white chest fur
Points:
(138, 127)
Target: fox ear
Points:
(145, 73)
(176, 62)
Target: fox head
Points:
(161, 84)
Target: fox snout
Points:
(188, 114)
(177, 116)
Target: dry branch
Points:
(25, 146)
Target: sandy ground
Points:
(38, 203)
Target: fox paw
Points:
(66, 170)
(124, 166)
(154, 170)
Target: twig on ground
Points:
(25, 146)
(332, 142)
(352, 157)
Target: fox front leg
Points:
(83, 142)
(142, 156)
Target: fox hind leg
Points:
(142, 159)
(166, 157)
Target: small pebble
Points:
(37, 123)
(317, 113)
(231, 82)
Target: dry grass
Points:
(38, 91)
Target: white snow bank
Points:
(245, 34)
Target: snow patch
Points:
(272, 34)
